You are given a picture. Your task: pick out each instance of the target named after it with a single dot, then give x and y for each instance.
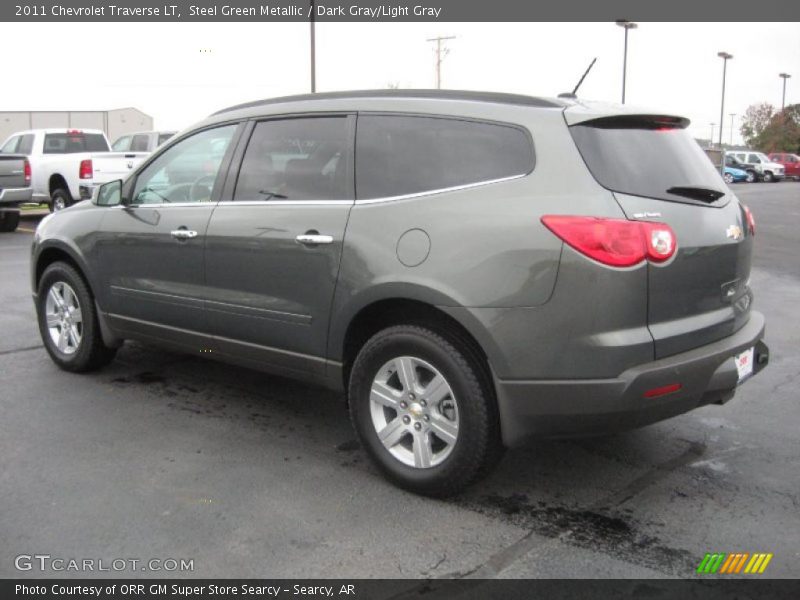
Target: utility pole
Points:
(711, 139)
(732, 117)
(313, 50)
(441, 52)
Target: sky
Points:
(181, 72)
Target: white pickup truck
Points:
(67, 164)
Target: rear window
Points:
(70, 143)
(163, 137)
(401, 155)
(645, 157)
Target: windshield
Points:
(654, 157)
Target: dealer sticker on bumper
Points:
(744, 364)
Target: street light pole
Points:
(732, 116)
(313, 50)
(725, 56)
(784, 76)
(626, 25)
(711, 139)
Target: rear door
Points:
(657, 172)
(274, 244)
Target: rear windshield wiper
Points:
(696, 193)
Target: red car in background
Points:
(790, 162)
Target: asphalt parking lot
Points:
(162, 455)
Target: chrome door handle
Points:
(183, 234)
(312, 239)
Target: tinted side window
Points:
(163, 137)
(139, 143)
(10, 147)
(25, 144)
(400, 155)
(296, 159)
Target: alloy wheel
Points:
(63, 317)
(414, 412)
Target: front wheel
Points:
(68, 320)
(768, 178)
(728, 178)
(751, 177)
(424, 410)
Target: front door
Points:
(273, 248)
(150, 251)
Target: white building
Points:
(115, 123)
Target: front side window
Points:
(10, 147)
(400, 155)
(123, 144)
(296, 159)
(753, 158)
(73, 142)
(185, 172)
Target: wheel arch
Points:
(362, 319)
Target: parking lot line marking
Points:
(26, 230)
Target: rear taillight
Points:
(751, 221)
(614, 242)
(27, 168)
(86, 171)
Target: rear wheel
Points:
(751, 177)
(60, 199)
(728, 178)
(9, 219)
(68, 320)
(422, 407)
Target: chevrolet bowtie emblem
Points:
(734, 232)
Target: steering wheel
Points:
(198, 184)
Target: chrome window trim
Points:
(284, 202)
(455, 188)
(167, 205)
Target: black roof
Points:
(497, 97)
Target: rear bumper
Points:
(86, 190)
(561, 408)
(14, 196)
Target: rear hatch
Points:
(657, 172)
(12, 172)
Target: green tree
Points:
(756, 118)
(783, 132)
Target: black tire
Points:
(91, 352)
(477, 447)
(9, 219)
(751, 177)
(728, 178)
(60, 198)
(768, 178)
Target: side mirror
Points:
(108, 194)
